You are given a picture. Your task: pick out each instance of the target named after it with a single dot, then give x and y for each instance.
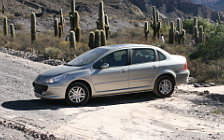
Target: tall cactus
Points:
(59, 31)
(177, 37)
(179, 25)
(33, 27)
(146, 30)
(103, 38)
(195, 30)
(78, 34)
(107, 26)
(97, 39)
(75, 23)
(181, 31)
(156, 23)
(12, 30)
(201, 35)
(3, 8)
(195, 22)
(72, 39)
(62, 20)
(172, 32)
(56, 27)
(72, 7)
(5, 26)
(219, 18)
(92, 40)
(101, 22)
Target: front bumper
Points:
(49, 91)
(182, 77)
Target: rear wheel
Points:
(77, 94)
(164, 86)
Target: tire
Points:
(77, 94)
(164, 86)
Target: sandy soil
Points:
(185, 115)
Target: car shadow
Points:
(37, 104)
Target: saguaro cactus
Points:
(59, 31)
(75, 25)
(201, 35)
(5, 26)
(181, 31)
(97, 39)
(62, 20)
(92, 40)
(195, 22)
(101, 21)
(72, 7)
(172, 32)
(146, 30)
(75, 21)
(219, 18)
(72, 39)
(3, 8)
(33, 27)
(179, 25)
(107, 26)
(156, 23)
(195, 30)
(103, 38)
(12, 30)
(56, 27)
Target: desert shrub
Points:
(18, 14)
(213, 49)
(208, 26)
(207, 71)
(51, 52)
(19, 26)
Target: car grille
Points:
(40, 89)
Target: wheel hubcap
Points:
(165, 87)
(77, 94)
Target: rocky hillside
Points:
(116, 8)
(215, 4)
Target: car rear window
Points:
(161, 56)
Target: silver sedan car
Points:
(111, 70)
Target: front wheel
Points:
(164, 86)
(77, 94)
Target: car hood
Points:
(62, 69)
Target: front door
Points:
(113, 78)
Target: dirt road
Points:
(185, 115)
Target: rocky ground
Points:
(188, 114)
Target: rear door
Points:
(143, 68)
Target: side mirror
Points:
(105, 66)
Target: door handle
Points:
(123, 70)
(154, 67)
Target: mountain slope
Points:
(122, 9)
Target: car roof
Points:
(122, 46)
(130, 46)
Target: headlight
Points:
(55, 79)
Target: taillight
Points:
(185, 66)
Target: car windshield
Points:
(87, 57)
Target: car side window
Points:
(143, 56)
(161, 56)
(115, 59)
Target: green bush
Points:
(208, 26)
(53, 53)
(213, 49)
